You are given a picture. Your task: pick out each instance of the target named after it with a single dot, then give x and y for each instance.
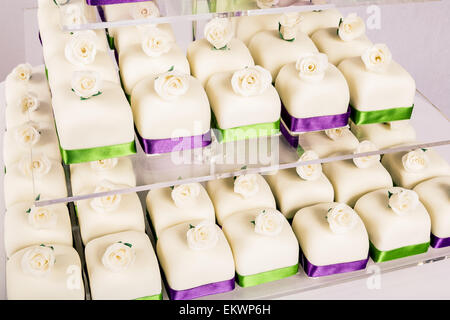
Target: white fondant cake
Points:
(311, 21)
(246, 27)
(122, 266)
(325, 239)
(127, 37)
(168, 207)
(52, 272)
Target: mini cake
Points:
(353, 178)
(385, 135)
(116, 170)
(248, 232)
(109, 214)
(231, 195)
(411, 168)
(36, 178)
(312, 21)
(272, 49)
(434, 196)
(300, 187)
(27, 225)
(332, 239)
(93, 115)
(380, 89)
(397, 222)
(39, 137)
(123, 266)
(218, 51)
(196, 259)
(44, 272)
(244, 104)
(170, 206)
(346, 41)
(247, 26)
(314, 93)
(171, 113)
(132, 36)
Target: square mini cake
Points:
(244, 104)
(171, 113)
(44, 272)
(170, 206)
(218, 51)
(397, 222)
(346, 41)
(116, 170)
(353, 178)
(314, 93)
(123, 266)
(272, 49)
(27, 225)
(410, 168)
(311, 21)
(196, 259)
(300, 187)
(231, 195)
(248, 232)
(434, 195)
(36, 178)
(332, 239)
(380, 89)
(247, 26)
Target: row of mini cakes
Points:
(92, 114)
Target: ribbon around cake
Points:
(437, 242)
(268, 276)
(290, 138)
(204, 290)
(403, 252)
(99, 153)
(313, 271)
(106, 2)
(154, 297)
(380, 116)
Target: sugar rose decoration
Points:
(266, 4)
(312, 67)
(403, 201)
(288, 25)
(29, 102)
(171, 85)
(87, 84)
(106, 203)
(185, 194)
(144, 10)
(27, 135)
(72, 15)
(38, 261)
(202, 236)
(269, 222)
(104, 165)
(41, 217)
(219, 33)
(377, 58)
(336, 133)
(119, 256)
(341, 218)
(156, 42)
(309, 172)
(23, 72)
(367, 161)
(81, 49)
(251, 81)
(351, 28)
(246, 185)
(415, 161)
(38, 166)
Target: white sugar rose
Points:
(367, 161)
(251, 81)
(219, 32)
(144, 10)
(86, 84)
(38, 261)
(269, 222)
(23, 72)
(81, 49)
(288, 25)
(107, 203)
(341, 218)
(41, 218)
(185, 194)
(403, 201)
(29, 102)
(415, 161)
(203, 236)
(246, 185)
(335, 134)
(351, 28)
(72, 15)
(312, 66)
(119, 256)
(311, 171)
(27, 135)
(156, 42)
(377, 58)
(266, 4)
(104, 165)
(38, 167)
(171, 85)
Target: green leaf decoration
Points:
(390, 194)
(83, 99)
(253, 222)
(129, 245)
(97, 94)
(389, 207)
(180, 178)
(42, 245)
(317, 10)
(191, 226)
(424, 150)
(51, 247)
(340, 21)
(264, 211)
(223, 48)
(281, 35)
(72, 90)
(71, 33)
(38, 197)
(234, 178)
(171, 69)
(244, 168)
(172, 187)
(330, 209)
(28, 211)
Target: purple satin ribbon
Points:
(322, 271)
(40, 39)
(437, 242)
(106, 2)
(101, 13)
(314, 123)
(205, 290)
(293, 140)
(156, 146)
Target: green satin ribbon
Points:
(110, 42)
(46, 72)
(155, 297)
(263, 277)
(100, 153)
(383, 256)
(300, 150)
(378, 116)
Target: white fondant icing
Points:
(246, 27)
(127, 37)
(312, 21)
